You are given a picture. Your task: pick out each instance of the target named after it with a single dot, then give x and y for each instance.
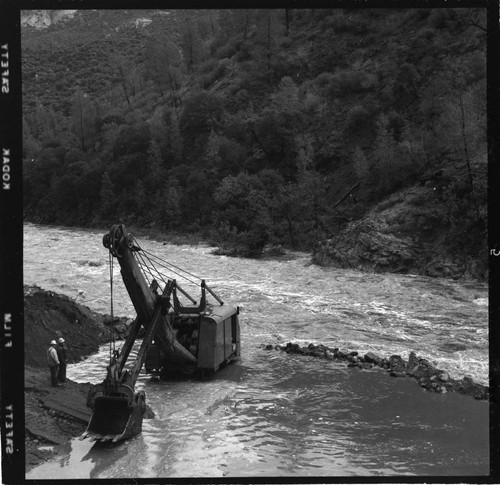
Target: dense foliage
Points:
(254, 126)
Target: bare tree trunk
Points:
(245, 26)
(269, 48)
(467, 159)
(345, 195)
(464, 138)
(120, 68)
(82, 136)
(290, 229)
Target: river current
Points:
(276, 415)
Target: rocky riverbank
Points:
(55, 415)
(427, 375)
(410, 232)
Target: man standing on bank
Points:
(53, 361)
(61, 354)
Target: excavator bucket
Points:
(115, 418)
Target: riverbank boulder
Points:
(397, 365)
(372, 358)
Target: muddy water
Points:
(273, 414)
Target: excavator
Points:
(177, 338)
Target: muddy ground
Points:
(53, 415)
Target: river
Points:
(277, 415)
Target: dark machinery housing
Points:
(176, 338)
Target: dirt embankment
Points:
(56, 414)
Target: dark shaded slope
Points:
(48, 315)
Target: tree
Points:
(164, 67)
(269, 35)
(212, 150)
(384, 155)
(287, 21)
(30, 145)
(84, 120)
(174, 138)
(462, 127)
(192, 44)
(360, 163)
(202, 113)
(286, 97)
(107, 196)
(170, 203)
(312, 189)
(243, 212)
(155, 170)
(287, 205)
(44, 125)
(128, 75)
(140, 199)
(243, 20)
(197, 201)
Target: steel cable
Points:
(171, 264)
(143, 265)
(112, 313)
(170, 269)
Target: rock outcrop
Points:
(41, 19)
(368, 244)
(407, 233)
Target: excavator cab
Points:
(177, 337)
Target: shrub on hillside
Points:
(341, 22)
(228, 50)
(217, 72)
(351, 81)
(357, 121)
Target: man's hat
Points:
(60, 340)
(53, 342)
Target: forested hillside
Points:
(256, 127)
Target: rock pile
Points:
(428, 376)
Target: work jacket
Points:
(61, 354)
(52, 356)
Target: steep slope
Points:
(255, 127)
(407, 233)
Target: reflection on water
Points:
(274, 414)
(80, 459)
